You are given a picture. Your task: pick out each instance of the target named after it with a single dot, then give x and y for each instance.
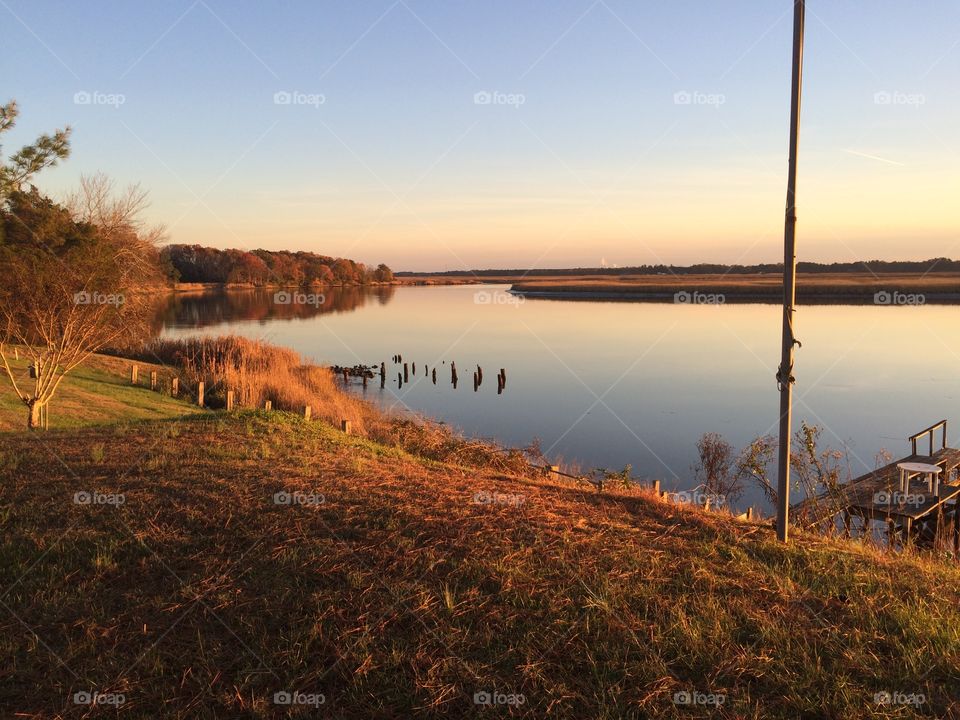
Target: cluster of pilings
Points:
(406, 370)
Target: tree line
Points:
(198, 264)
(870, 266)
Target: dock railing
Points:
(930, 432)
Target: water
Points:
(606, 384)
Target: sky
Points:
(446, 134)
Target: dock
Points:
(916, 514)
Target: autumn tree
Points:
(74, 281)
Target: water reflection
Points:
(204, 309)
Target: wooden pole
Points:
(200, 393)
(434, 376)
(229, 400)
(406, 372)
(307, 412)
(268, 405)
(153, 380)
(174, 387)
(345, 426)
(785, 373)
(134, 371)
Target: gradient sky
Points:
(600, 162)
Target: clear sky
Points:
(604, 130)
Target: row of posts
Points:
(345, 425)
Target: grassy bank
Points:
(832, 287)
(398, 577)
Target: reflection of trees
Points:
(223, 306)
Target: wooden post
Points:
(434, 376)
(229, 400)
(406, 372)
(364, 381)
(33, 371)
(503, 377)
(400, 380)
(174, 387)
(476, 383)
(134, 371)
(656, 488)
(414, 368)
(345, 426)
(750, 513)
(453, 373)
(200, 393)
(153, 380)
(479, 375)
(307, 413)
(268, 405)
(554, 472)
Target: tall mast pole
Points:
(785, 373)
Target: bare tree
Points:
(715, 469)
(74, 283)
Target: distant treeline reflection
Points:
(217, 307)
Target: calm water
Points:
(605, 384)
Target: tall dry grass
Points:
(257, 372)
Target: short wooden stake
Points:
(554, 472)
(656, 488)
(229, 400)
(200, 393)
(134, 372)
(175, 387)
(434, 376)
(406, 372)
(307, 413)
(345, 426)
(268, 405)
(413, 367)
(153, 379)
(750, 513)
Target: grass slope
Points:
(400, 595)
(97, 392)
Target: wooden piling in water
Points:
(434, 376)
(175, 387)
(200, 393)
(503, 377)
(406, 372)
(413, 367)
(476, 383)
(479, 375)
(153, 380)
(134, 373)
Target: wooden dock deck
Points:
(916, 514)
